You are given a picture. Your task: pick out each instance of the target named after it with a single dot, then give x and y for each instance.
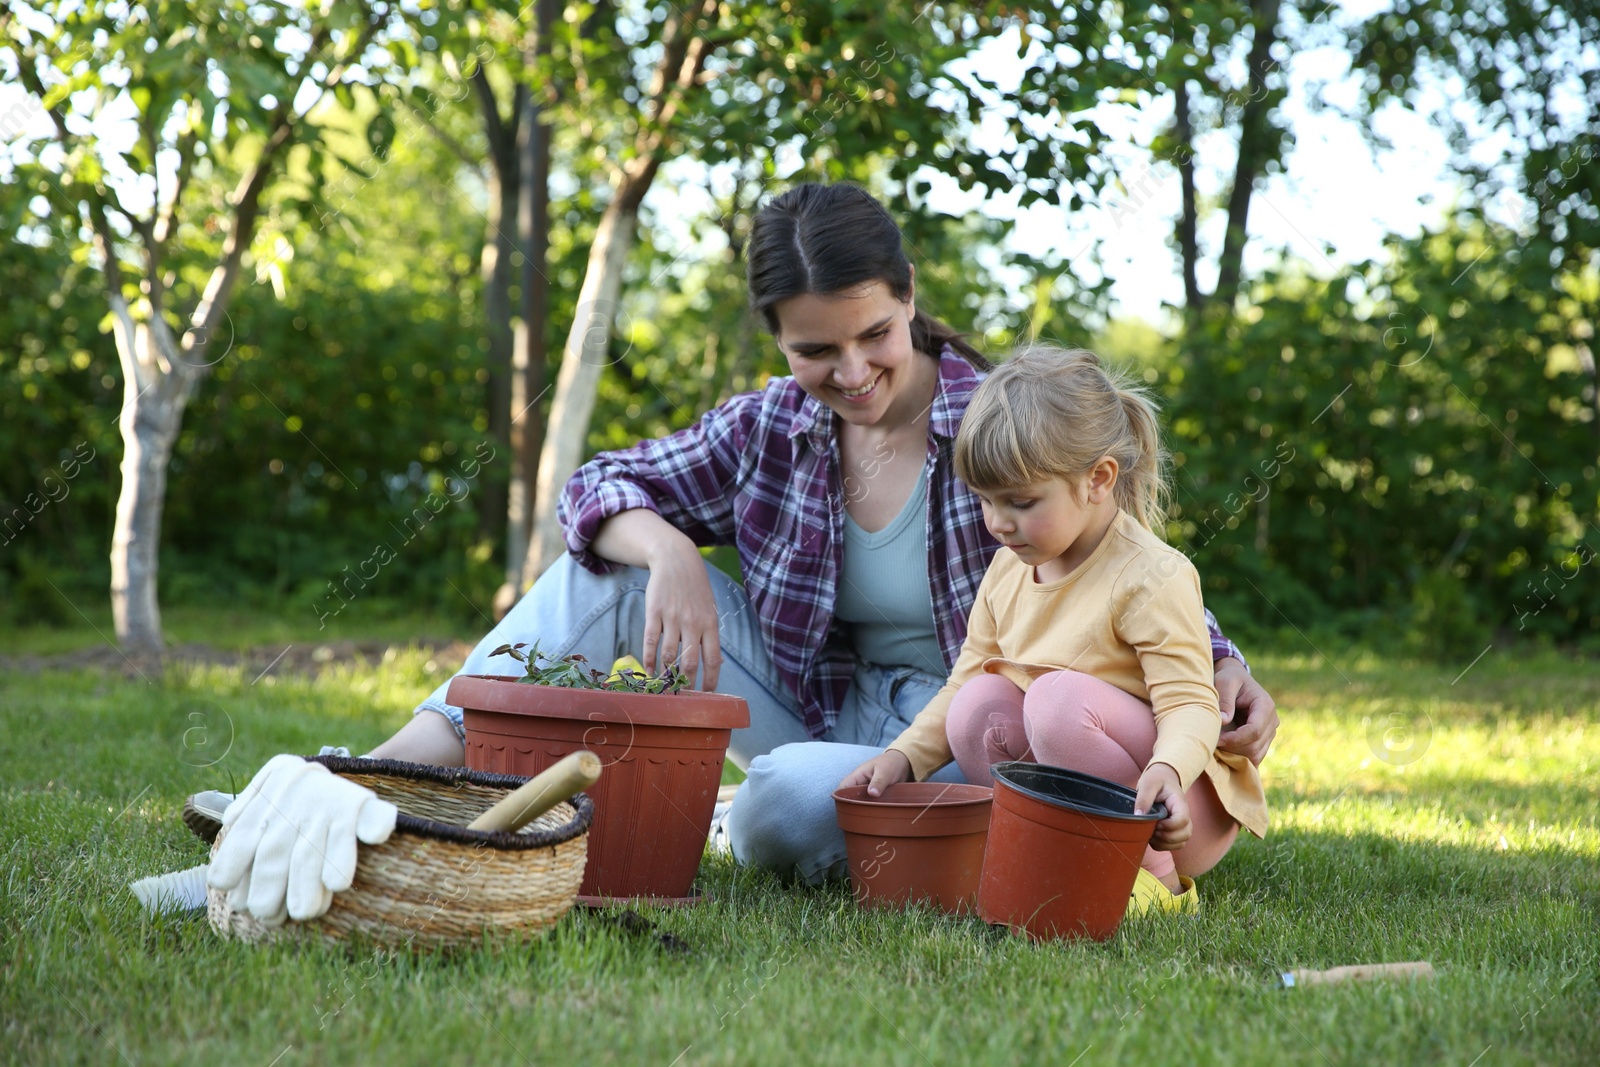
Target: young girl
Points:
(1087, 646)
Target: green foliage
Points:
(1413, 445)
(1444, 622)
(570, 672)
(58, 403)
(1406, 453)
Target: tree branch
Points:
(104, 235)
(501, 144)
(683, 56)
(676, 37)
(108, 248)
(167, 220)
(31, 82)
(1188, 223)
(206, 317)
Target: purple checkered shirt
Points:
(761, 473)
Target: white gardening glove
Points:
(291, 840)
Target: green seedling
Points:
(573, 672)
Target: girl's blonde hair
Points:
(1050, 412)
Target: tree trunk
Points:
(529, 352)
(153, 400)
(1263, 519)
(159, 375)
(495, 272)
(1253, 134)
(1586, 363)
(1188, 219)
(582, 359)
(160, 372)
(585, 354)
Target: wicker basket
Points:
(435, 883)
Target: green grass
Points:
(1479, 853)
(88, 625)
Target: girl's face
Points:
(852, 351)
(1055, 524)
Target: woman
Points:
(852, 610)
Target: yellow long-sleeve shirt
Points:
(1130, 615)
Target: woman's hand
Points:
(1254, 715)
(1159, 785)
(680, 613)
(879, 773)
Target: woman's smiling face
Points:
(853, 352)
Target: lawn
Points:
(1414, 818)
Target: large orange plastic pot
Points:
(662, 754)
(916, 841)
(1063, 852)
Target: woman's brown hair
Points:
(831, 238)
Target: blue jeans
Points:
(783, 816)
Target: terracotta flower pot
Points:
(918, 841)
(663, 758)
(1063, 852)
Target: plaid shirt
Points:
(761, 473)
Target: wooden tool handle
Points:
(1361, 972)
(540, 793)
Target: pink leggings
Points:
(1071, 720)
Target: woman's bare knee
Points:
(427, 738)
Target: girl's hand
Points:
(1159, 785)
(680, 613)
(879, 773)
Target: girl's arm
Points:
(1158, 612)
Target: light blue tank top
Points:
(883, 591)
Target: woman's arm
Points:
(680, 611)
(1249, 714)
(651, 506)
(686, 479)
(1254, 713)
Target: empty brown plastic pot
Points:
(916, 841)
(1063, 852)
(662, 754)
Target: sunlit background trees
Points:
(277, 278)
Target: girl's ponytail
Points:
(1142, 489)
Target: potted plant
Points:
(662, 745)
